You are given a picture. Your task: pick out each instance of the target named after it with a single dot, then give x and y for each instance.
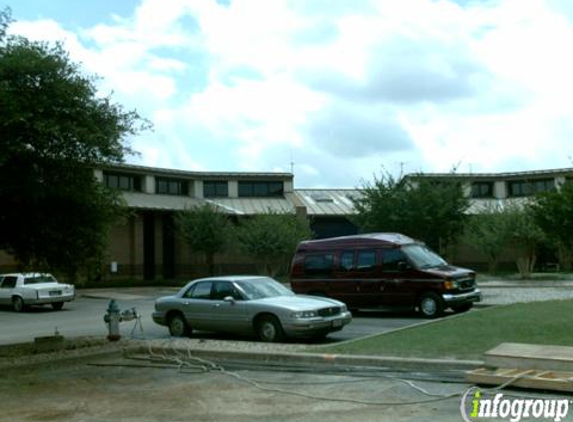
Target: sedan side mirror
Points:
(229, 299)
(403, 265)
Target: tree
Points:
(524, 236)
(272, 239)
(553, 212)
(56, 129)
(205, 230)
(489, 233)
(429, 210)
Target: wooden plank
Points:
(532, 379)
(532, 356)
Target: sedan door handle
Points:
(216, 305)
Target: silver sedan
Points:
(249, 305)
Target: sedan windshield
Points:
(260, 288)
(422, 257)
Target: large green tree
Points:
(206, 230)
(553, 212)
(272, 238)
(489, 232)
(427, 209)
(55, 130)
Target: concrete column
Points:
(198, 188)
(500, 189)
(98, 175)
(288, 186)
(148, 184)
(233, 189)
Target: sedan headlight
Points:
(343, 309)
(304, 314)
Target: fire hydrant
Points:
(112, 319)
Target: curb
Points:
(299, 358)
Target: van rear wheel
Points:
(431, 305)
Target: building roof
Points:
(494, 176)
(324, 202)
(234, 206)
(157, 171)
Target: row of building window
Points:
(211, 188)
(515, 188)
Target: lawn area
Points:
(468, 336)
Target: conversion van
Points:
(382, 270)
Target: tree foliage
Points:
(489, 232)
(55, 130)
(429, 210)
(524, 237)
(206, 230)
(272, 239)
(553, 212)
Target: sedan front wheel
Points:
(269, 329)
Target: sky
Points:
(339, 91)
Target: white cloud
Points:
(423, 82)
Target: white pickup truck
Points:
(23, 289)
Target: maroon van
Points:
(382, 270)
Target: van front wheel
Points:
(431, 305)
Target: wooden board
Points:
(530, 356)
(524, 378)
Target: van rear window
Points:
(318, 264)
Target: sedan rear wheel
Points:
(178, 327)
(57, 306)
(18, 304)
(269, 329)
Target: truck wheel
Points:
(431, 305)
(18, 304)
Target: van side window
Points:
(366, 260)
(347, 261)
(391, 258)
(318, 264)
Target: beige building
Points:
(147, 245)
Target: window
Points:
(391, 258)
(482, 190)
(9, 282)
(319, 264)
(127, 182)
(171, 186)
(215, 189)
(222, 289)
(200, 291)
(347, 261)
(530, 187)
(366, 260)
(260, 189)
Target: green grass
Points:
(468, 336)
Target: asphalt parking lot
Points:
(84, 317)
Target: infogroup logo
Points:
(476, 406)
